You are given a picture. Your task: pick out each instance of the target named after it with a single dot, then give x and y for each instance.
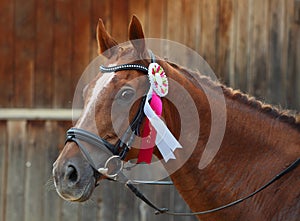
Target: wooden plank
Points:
(3, 168)
(232, 41)
(259, 48)
(62, 54)
(34, 174)
(89, 210)
(38, 114)
(43, 78)
(291, 82)
(156, 26)
(174, 31)
(225, 41)
(296, 11)
(99, 9)
(156, 19)
(16, 170)
(119, 20)
(208, 32)
(140, 9)
(191, 24)
(52, 201)
(297, 68)
(241, 65)
(81, 37)
(174, 22)
(145, 212)
(24, 54)
(6, 52)
(69, 211)
(191, 31)
(288, 20)
(276, 75)
(250, 43)
(109, 200)
(284, 55)
(125, 198)
(163, 196)
(293, 69)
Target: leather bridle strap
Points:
(76, 135)
(128, 67)
(123, 67)
(133, 130)
(166, 211)
(84, 135)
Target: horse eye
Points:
(126, 95)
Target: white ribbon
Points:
(165, 141)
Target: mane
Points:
(287, 116)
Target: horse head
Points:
(111, 100)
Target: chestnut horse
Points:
(259, 141)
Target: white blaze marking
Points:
(101, 83)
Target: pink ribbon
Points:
(149, 133)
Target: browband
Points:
(124, 67)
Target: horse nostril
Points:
(72, 174)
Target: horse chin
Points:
(78, 194)
(85, 194)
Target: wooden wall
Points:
(45, 45)
(27, 193)
(253, 45)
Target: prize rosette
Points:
(158, 79)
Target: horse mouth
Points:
(76, 194)
(86, 193)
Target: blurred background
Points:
(45, 45)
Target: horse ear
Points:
(136, 35)
(104, 40)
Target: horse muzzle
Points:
(74, 178)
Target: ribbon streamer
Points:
(149, 133)
(165, 141)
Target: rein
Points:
(121, 148)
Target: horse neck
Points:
(256, 146)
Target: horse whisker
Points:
(49, 185)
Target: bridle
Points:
(122, 147)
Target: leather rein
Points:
(122, 147)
